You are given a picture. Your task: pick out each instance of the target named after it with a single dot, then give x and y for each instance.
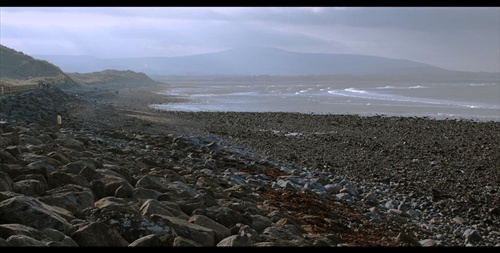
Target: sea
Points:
(478, 101)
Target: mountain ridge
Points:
(268, 61)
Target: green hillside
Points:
(112, 76)
(17, 68)
(16, 65)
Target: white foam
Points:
(483, 84)
(386, 87)
(355, 90)
(352, 92)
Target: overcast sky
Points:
(455, 38)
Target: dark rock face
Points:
(118, 174)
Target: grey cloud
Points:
(433, 35)
(413, 18)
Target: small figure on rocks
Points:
(58, 123)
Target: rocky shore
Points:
(118, 173)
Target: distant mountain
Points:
(267, 61)
(16, 65)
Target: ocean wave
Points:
(400, 87)
(483, 84)
(364, 94)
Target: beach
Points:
(342, 180)
(414, 155)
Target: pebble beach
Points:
(137, 176)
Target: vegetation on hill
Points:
(112, 76)
(17, 69)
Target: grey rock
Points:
(235, 241)
(154, 240)
(31, 212)
(24, 241)
(108, 237)
(197, 233)
(220, 230)
(180, 241)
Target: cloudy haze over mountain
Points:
(454, 38)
